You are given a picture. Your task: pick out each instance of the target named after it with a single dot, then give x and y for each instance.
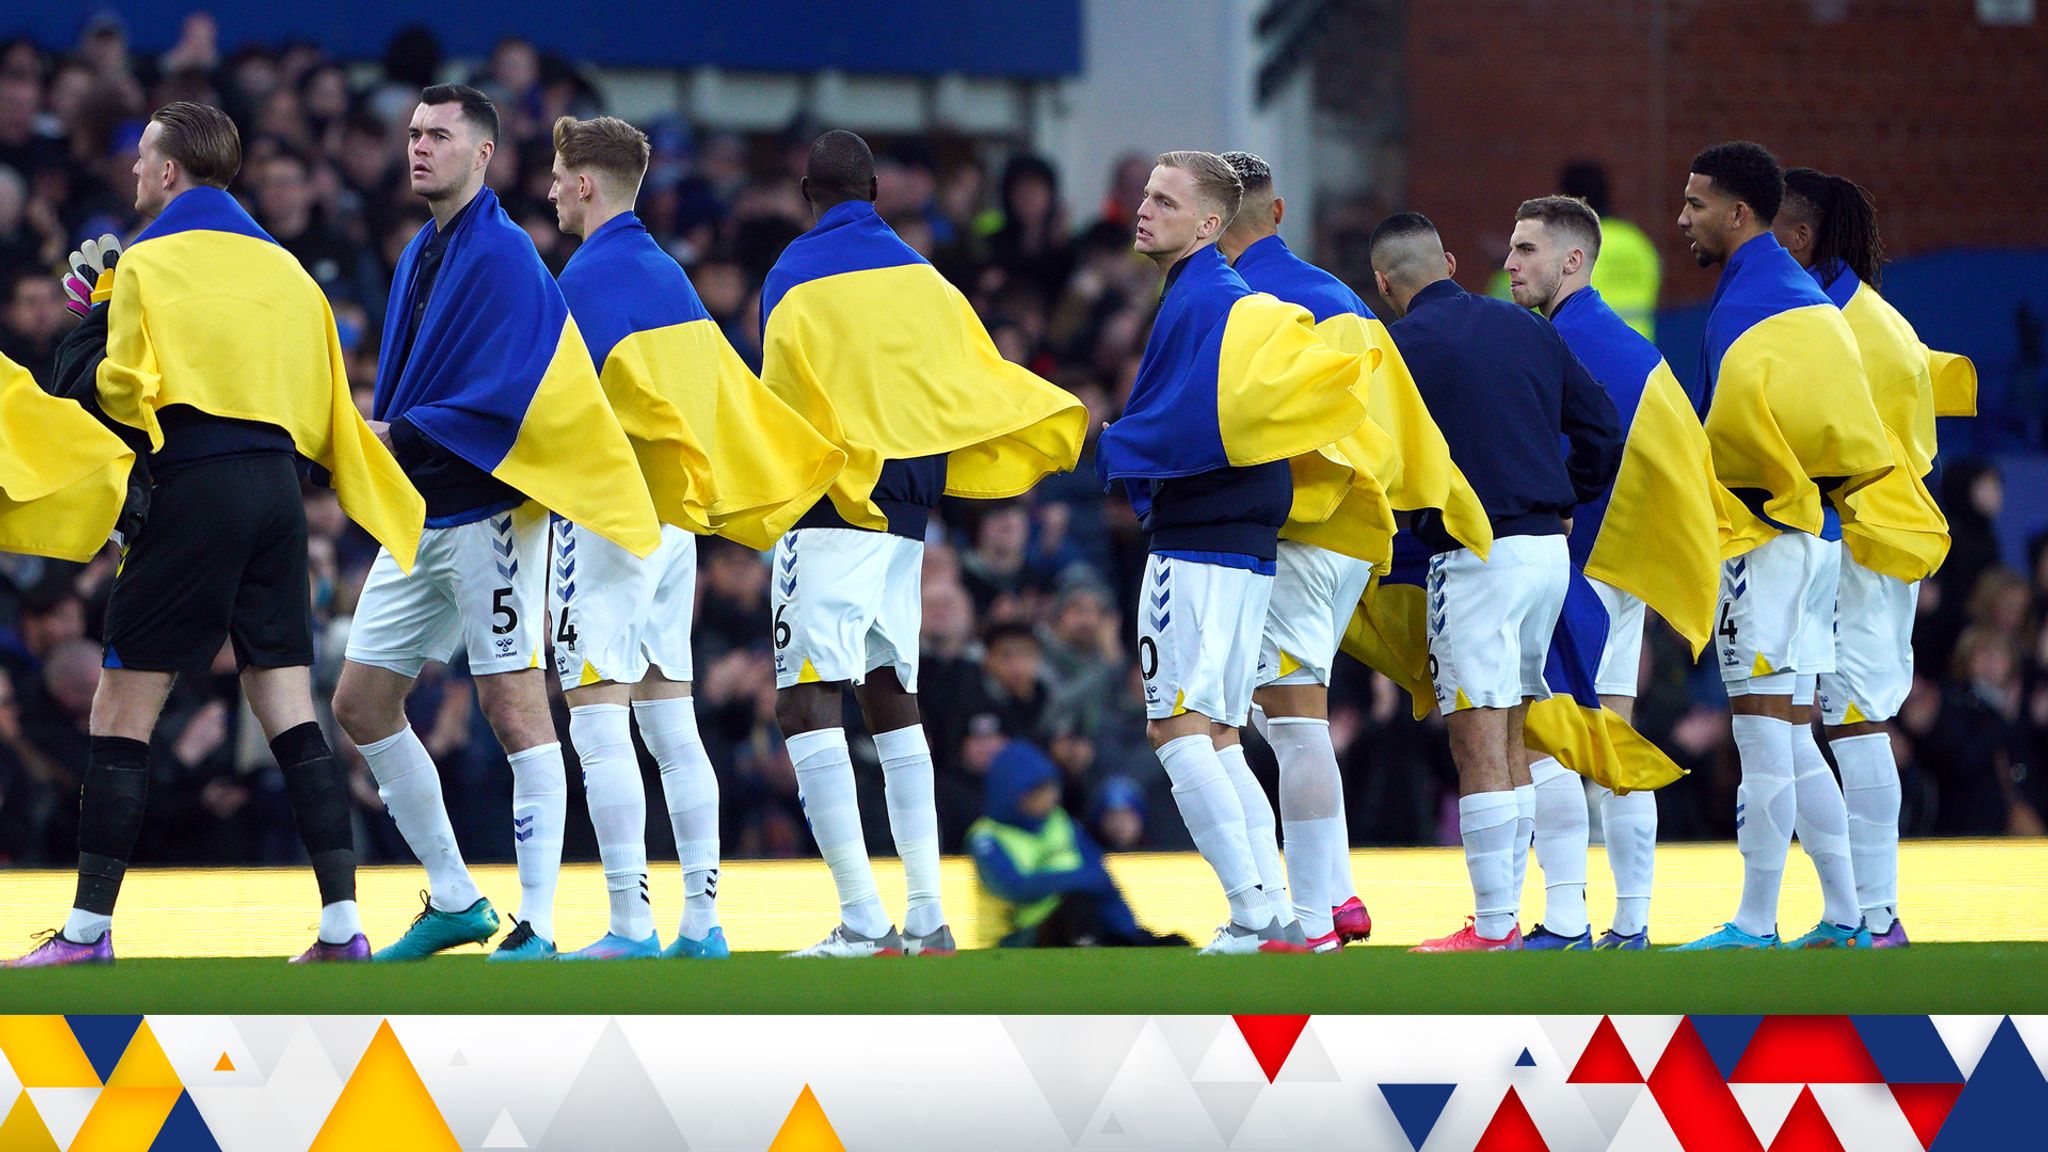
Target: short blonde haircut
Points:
(1216, 181)
(607, 145)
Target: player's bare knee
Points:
(516, 705)
(127, 703)
(366, 705)
(807, 708)
(1164, 732)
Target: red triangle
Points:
(1806, 1128)
(1271, 1038)
(1512, 1129)
(1702, 1111)
(1806, 1050)
(1605, 1060)
(1926, 1106)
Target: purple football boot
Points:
(1893, 937)
(57, 952)
(357, 948)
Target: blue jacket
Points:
(1017, 770)
(1502, 386)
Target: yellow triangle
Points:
(224, 1064)
(806, 1129)
(124, 1118)
(1288, 664)
(808, 674)
(1180, 702)
(385, 1106)
(1854, 715)
(24, 1131)
(144, 1064)
(1762, 667)
(1462, 702)
(589, 676)
(44, 1053)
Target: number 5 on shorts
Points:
(499, 607)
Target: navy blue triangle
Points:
(1525, 1060)
(1417, 1107)
(2004, 1098)
(1726, 1038)
(1907, 1050)
(104, 1038)
(184, 1130)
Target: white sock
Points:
(410, 787)
(617, 799)
(824, 782)
(690, 788)
(1823, 826)
(1765, 809)
(1525, 832)
(1870, 788)
(1260, 830)
(540, 811)
(82, 927)
(340, 922)
(1630, 824)
(1486, 823)
(1312, 818)
(1562, 830)
(914, 823)
(1215, 818)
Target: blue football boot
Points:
(1728, 937)
(711, 947)
(436, 931)
(1542, 939)
(1826, 935)
(523, 943)
(616, 947)
(1612, 941)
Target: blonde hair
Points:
(614, 149)
(1216, 181)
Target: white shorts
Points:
(615, 614)
(1199, 627)
(1314, 596)
(1778, 613)
(1873, 646)
(478, 588)
(846, 602)
(1490, 621)
(1621, 660)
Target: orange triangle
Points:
(1605, 1060)
(1806, 1129)
(224, 1064)
(125, 1117)
(24, 1130)
(143, 1064)
(1512, 1129)
(385, 1106)
(805, 1129)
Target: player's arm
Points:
(1592, 425)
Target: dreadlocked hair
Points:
(1844, 216)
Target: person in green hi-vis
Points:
(1630, 272)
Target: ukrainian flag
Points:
(1896, 526)
(210, 312)
(875, 350)
(1572, 725)
(1389, 630)
(1663, 542)
(1787, 405)
(500, 376)
(1233, 378)
(1397, 456)
(62, 475)
(681, 392)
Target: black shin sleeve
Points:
(319, 797)
(110, 807)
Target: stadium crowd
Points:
(1028, 604)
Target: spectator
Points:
(1978, 755)
(35, 320)
(286, 206)
(1117, 814)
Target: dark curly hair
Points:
(1844, 218)
(1746, 171)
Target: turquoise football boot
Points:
(616, 947)
(436, 931)
(711, 947)
(1826, 935)
(1728, 937)
(523, 943)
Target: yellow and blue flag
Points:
(1896, 526)
(1787, 405)
(1389, 630)
(209, 311)
(1233, 378)
(63, 475)
(1573, 726)
(499, 375)
(1397, 456)
(875, 350)
(721, 454)
(1657, 533)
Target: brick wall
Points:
(1943, 119)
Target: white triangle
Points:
(1309, 1062)
(1228, 1103)
(1765, 1106)
(1645, 1037)
(303, 1061)
(195, 1044)
(2034, 1034)
(1866, 1117)
(225, 1109)
(1073, 1060)
(266, 1128)
(63, 1110)
(1229, 1060)
(1967, 1037)
(344, 1038)
(1569, 1036)
(1645, 1129)
(10, 1084)
(504, 1134)
(1189, 1037)
(1608, 1105)
(266, 1037)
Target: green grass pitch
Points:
(1937, 978)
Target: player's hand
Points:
(382, 428)
(89, 280)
